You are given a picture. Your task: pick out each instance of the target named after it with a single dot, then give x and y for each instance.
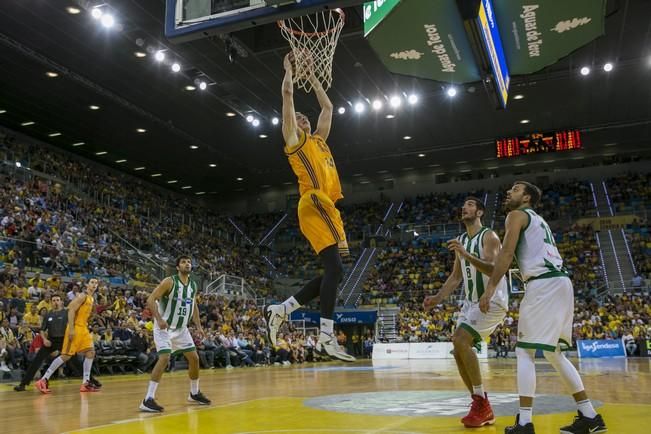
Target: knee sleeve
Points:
(566, 370)
(526, 371)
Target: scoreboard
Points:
(536, 143)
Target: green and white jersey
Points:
(536, 253)
(176, 306)
(474, 281)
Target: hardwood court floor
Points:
(382, 397)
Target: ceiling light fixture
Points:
(359, 107)
(203, 85)
(107, 21)
(239, 179)
(608, 67)
(585, 70)
(200, 193)
(140, 54)
(57, 134)
(159, 56)
(341, 110)
(176, 67)
(78, 144)
(524, 121)
(390, 116)
(72, 10)
(230, 114)
(28, 123)
(452, 91)
(156, 175)
(120, 161)
(263, 136)
(3, 111)
(190, 87)
(412, 99)
(93, 107)
(518, 96)
(407, 137)
(275, 121)
(193, 147)
(101, 153)
(377, 104)
(212, 165)
(255, 122)
(96, 13)
(140, 168)
(249, 118)
(51, 74)
(185, 187)
(421, 155)
(395, 101)
(141, 130)
(173, 181)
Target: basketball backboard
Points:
(186, 20)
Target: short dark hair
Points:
(182, 257)
(478, 202)
(534, 192)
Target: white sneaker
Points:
(330, 347)
(4, 367)
(287, 363)
(274, 316)
(229, 366)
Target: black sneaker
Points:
(199, 398)
(95, 383)
(19, 388)
(585, 425)
(150, 405)
(519, 429)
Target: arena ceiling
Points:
(189, 137)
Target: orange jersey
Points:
(312, 162)
(84, 311)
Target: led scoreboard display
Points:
(536, 143)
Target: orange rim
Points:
(282, 25)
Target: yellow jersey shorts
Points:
(82, 341)
(320, 222)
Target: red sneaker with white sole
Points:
(480, 413)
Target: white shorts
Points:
(480, 325)
(546, 314)
(173, 341)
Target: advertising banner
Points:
(600, 348)
(419, 350)
(342, 318)
(390, 351)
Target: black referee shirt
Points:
(55, 322)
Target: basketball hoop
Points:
(313, 40)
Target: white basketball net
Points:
(313, 40)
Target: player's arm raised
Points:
(515, 221)
(325, 118)
(163, 288)
(448, 287)
(289, 113)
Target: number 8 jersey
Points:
(474, 281)
(176, 306)
(536, 253)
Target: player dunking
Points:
(475, 252)
(546, 311)
(319, 219)
(77, 339)
(172, 304)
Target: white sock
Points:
(478, 390)
(291, 305)
(53, 367)
(586, 408)
(525, 415)
(88, 364)
(327, 328)
(194, 386)
(151, 390)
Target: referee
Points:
(52, 331)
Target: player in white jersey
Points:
(546, 311)
(475, 251)
(172, 304)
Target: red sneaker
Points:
(480, 413)
(43, 386)
(87, 387)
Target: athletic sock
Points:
(586, 408)
(88, 365)
(327, 329)
(194, 386)
(291, 305)
(525, 415)
(151, 390)
(478, 390)
(53, 367)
